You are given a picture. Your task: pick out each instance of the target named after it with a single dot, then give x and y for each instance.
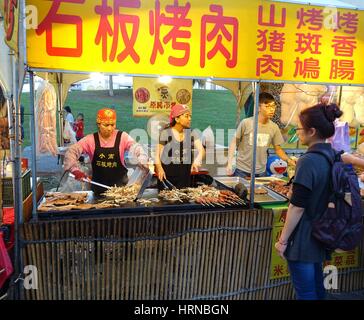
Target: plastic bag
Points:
(68, 133)
(341, 139)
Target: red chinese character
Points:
(348, 22)
(220, 23)
(268, 64)
(344, 46)
(343, 69)
(338, 261)
(272, 17)
(9, 8)
(278, 270)
(308, 42)
(308, 68)
(283, 216)
(120, 21)
(275, 41)
(53, 17)
(176, 21)
(313, 17)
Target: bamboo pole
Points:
(196, 259)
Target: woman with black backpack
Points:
(309, 200)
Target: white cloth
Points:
(70, 118)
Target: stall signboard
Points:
(150, 96)
(9, 9)
(279, 268)
(221, 39)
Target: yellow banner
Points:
(279, 267)
(204, 38)
(9, 9)
(151, 96)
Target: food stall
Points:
(184, 249)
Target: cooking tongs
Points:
(289, 182)
(92, 182)
(168, 185)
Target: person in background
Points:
(174, 153)
(106, 149)
(309, 199)
(79, 126)
(268, 134)
(68, 116)
(68, 121)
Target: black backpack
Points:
(341, 225)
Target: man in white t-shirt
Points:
(268, 134)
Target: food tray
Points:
(281, 194)
(266, 180)
(270, 198)
(229, 182)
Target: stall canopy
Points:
(62, 82)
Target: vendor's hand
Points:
(195, 167)
(160, 173)
(281, 248)
(79, 175)
(229, 170)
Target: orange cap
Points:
(106, 116)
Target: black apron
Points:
(107, 167)
(178, 171)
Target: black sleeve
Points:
(301, 195)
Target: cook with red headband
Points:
(106, 149)
(179, 151)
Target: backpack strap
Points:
(331, 160)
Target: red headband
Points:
(106, 116)
(177, 110)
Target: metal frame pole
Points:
(255, 135)
(34, 146)
(17, 177)
(60, 107)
